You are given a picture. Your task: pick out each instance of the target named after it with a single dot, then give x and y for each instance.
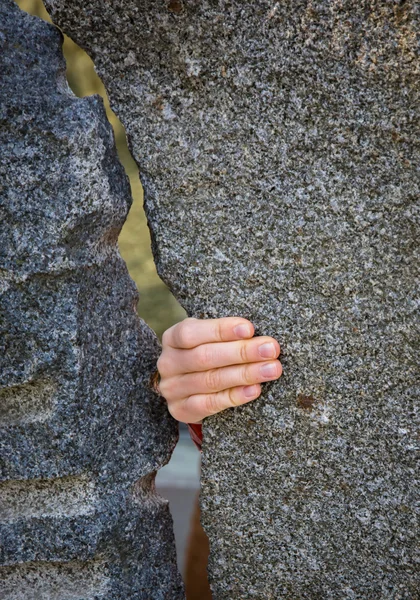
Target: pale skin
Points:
(209, 365)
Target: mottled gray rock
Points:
(81, 433)
(278, 144)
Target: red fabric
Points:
(196, 433)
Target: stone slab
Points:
(278, 148)
(81, 433)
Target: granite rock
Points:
(278, 145)
(81, 433)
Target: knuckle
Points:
(218, 330)
(233, 400)
(166, 389)
(180, 410)
(204, 355)
(212, 379)
(243, 351)
(165, 338)
(247, 376)
(175, 412)
(161, 364)
(210, 404)
(185, 333)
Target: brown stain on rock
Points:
(175, 6)
(305, 402)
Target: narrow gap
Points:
(179, 480)
(157, 305)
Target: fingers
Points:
(216, 380)
(213, 356)
(209, 365)
(197, 407)
(193, 332)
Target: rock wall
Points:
(278, 148)
(81, 433)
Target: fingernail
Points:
(242, 331)
(269, 370)
(250, 391)
(267, 350)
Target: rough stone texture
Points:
(278, 144)
(81, 434)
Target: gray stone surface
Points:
(278, 144)
(81, 433)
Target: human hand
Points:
(209, 365)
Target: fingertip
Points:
(244, 330)
(251, 392)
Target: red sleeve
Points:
(196, 433)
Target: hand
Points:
(209, 365)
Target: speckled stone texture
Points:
(278, 144)
(81, 434)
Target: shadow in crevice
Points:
(196, 559)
